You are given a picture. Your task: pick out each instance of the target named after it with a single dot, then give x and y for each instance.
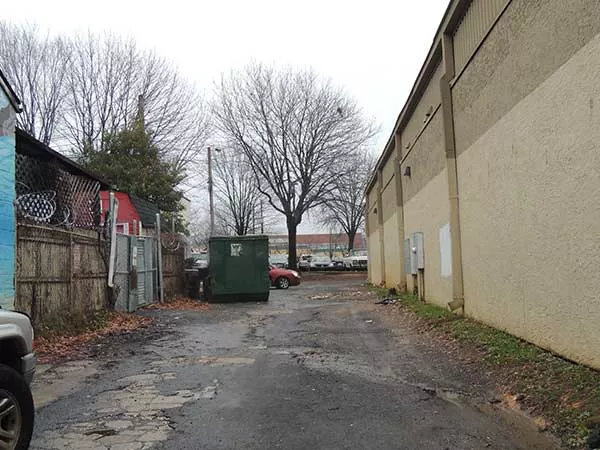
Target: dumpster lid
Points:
(251, 237)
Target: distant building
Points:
(147, 211)
(135, 216)
(324, 243)
(128, 219)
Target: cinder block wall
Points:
(7, 197)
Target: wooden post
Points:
(71, 269)
(161, 285)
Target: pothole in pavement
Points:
(205, 360)
(131, 417)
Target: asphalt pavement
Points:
(319, 366)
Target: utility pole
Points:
(210, 190)
(262, 218)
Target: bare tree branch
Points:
(109, 77)
(344, 207)
(297, 131)
(36, 66)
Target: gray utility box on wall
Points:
(418, 252)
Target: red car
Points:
(283, 278)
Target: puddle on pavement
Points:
(523, 425)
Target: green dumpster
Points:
(238, 269)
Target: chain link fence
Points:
(47, 194)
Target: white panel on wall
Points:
(445, 251)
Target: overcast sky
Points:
(374, 48)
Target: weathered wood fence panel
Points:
(173, 272)
(60, 275)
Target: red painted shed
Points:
(128, 219)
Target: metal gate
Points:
(146, 270)
(122, 273)
(136, 274)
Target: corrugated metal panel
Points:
(141, 271)
(149, 285)
(470, 31)
(428, 103)
(122, 273)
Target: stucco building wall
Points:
(427, 212)
(528, 130)
(374, 245)
(391, 244)
(525, 121)
(426, 209)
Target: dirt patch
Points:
(181, 304)
(560, 396)
(64, 347)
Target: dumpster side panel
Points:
(239, 268)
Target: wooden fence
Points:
(60, 275)
(173, 271)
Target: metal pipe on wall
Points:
(400, 209)
(458, 296)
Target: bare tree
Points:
(237, 191)
(36, 65)
(297, 131)
(112, 80)
(345, 207)
(84, 88)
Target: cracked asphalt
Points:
(319, 366)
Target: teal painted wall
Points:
(7, 198)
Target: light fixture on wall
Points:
(428, 114)
(374, 210)
(407, 171)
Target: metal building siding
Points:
(472, 28)
(141, 272)
(428, 103)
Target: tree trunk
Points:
(351, 237)
(292, 254)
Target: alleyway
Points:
(318, 367)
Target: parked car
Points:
(337, 264)
(304, 262)
(17, 366)
(280, 261)
(320, 263)
(356, 260)
(283, 278)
